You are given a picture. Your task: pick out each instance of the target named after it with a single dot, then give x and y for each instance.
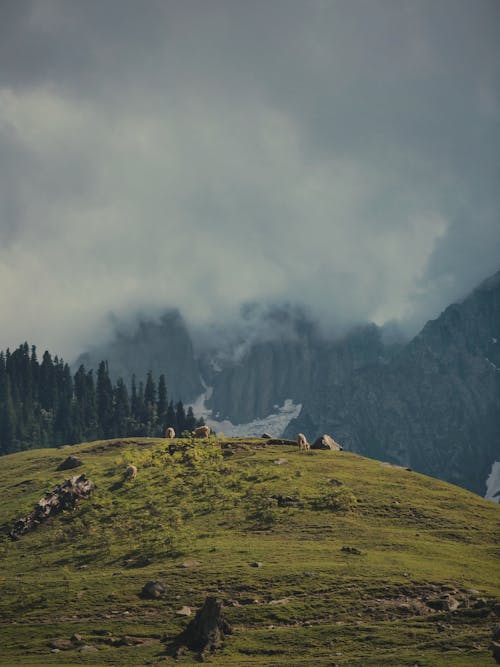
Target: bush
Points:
(336, 500)
(261, 509)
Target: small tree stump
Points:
(205, 632)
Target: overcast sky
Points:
(207, 153)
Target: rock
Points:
(55, 650)
(69, 463)
(282, 441)
(153, 590)
(190, 563)
(351, 550)
(445, 603)
(281, 601)
(280, 462)
(64, 497)
(87, 648)
(127, 640)
(480, 603)
(256, 564)
(76, 638)
(285, 501)
(326, 442)
(61, 644)
(184, 611)
(266, 436)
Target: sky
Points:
(209, 153)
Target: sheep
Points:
(130, 472)
(170, 433)
(302, 443)
(202, 432)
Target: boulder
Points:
(184, 611)
(266, 436)
(326, 442)
(153, 590)
(69, 463)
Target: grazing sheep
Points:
(130, 472)
(170, 433)
(202, 432)
(302, 443)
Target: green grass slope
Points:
(201, 519)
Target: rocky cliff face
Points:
(288, 367)
(162, 346)
(435, 406)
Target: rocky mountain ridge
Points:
(435, 406)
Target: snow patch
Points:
(274, 424)
(493, 483)
(492, 364)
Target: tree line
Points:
(43, 405)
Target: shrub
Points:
(336, 500)
(261, 509)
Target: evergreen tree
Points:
(190, 420)
(104, 396)
(171, 419)
(180, 416)
(122, 409)
(150, 404)
(7, 413)
(162, 405)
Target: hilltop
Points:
(321, 558)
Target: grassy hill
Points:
(352, 562)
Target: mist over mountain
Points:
(432, 403)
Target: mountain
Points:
(321, 558)
(435, 406)
(162, 346)
(432, 403)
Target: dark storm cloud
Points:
(208, 153)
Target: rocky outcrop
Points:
(326, 442)
(435, 406)
(64, 497)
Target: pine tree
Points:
(162, 405)
(104, 395)
(150, 404)
(7, 413)
(122, 409)
(180, 416)
(190, 420)
(171, 419)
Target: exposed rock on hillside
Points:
(63, 497)
(326, 442)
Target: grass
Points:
(310, 602)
